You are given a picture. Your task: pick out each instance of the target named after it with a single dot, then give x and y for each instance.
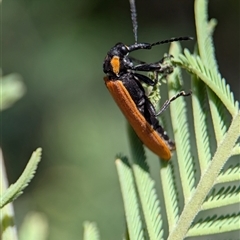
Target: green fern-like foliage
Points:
(9, 194)
(16, 189)
(12, 89)
(200, 184)
(90, 231)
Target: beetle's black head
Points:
(116, 62)
(120, 50)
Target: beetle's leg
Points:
(145, 79)
(167, 103)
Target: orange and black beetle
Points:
(124, 84)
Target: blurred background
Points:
(58, 48)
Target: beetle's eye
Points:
(124, 49)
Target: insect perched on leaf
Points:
(125, 85)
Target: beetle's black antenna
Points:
(134, 18)
(177, 39)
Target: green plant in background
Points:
(35, 225)
(12, 89)
(197, 185)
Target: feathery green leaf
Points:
(16, 189)
(193, 206)
(229, 175)
(207, 54)
(215, 225)
(35, 226)
(146, 188)
(200, 112)
(170, 192)
(90, 231)
(168, 170)
(218, 116)
(204, 35)
(195, 65)
(130, 199)
(12, 89)
(178, 110)
(223, 197)
(8, 229)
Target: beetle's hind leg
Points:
(167, 103)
